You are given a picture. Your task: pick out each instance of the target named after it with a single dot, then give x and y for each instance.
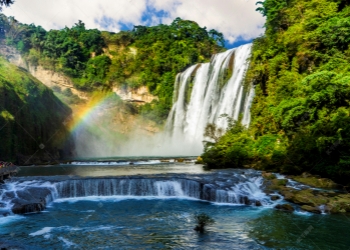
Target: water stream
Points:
(156, 211)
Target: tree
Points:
(203, 220)
(5, 3)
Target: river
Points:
(163, 216)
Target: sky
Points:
(236, 19)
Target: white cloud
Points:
(234, 18)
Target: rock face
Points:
(138, 95)
(51, 79)
(48, 77)
(12, 55)
(30, 200)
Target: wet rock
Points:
(269, 176)
(311, 209)
(308, 197)
(8, 195)
(180, 160)
(274, 197)
(23, 207)
(285, 207)
(245, 200)
(315, 181)
(339, 204)
(258, 203)
(30, 200)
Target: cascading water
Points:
(206, 91)
(233, 187)
(202, 94)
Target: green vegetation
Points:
(300, 115)
(31, 118)
(144, 56)
(202, 220)
(5, 3)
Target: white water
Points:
(115, 163)
(242, 191)
(210, 98)
(202, 93)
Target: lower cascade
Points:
(205, 92)
(24, 196)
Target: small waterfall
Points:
(127, 187)
(206, 91)
(32, 196)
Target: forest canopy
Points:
(143, 56)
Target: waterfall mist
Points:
(202, 94)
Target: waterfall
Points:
(206, 91)
(33, 196)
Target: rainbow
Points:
(83, 115)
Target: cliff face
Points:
(48, 77)
(31, 119)
(53, 79)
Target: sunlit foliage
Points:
(301, 112)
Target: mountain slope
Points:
(31, 118)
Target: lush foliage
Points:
(31, 117)
(203, 220)
(144, 56)
(5, 3)
(152, 56)
(301, 114)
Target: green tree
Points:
(5, 3)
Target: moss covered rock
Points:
(315, 181)
(285, 207)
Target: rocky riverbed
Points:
(312, 193)
(22, 195)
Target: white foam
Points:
(304, 213)
(67, 242)
(117, 198)
(45, 230)
(113, 163)
(10, 219)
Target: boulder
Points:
(285, 207)
(308, 197)
(30, 200)
(258, 203)
(274, 197)
(311, 209)
(315, 181)
(269, 176)
(24, 207)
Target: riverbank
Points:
(315, 194)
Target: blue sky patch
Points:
(237, 43)
(152, 12)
